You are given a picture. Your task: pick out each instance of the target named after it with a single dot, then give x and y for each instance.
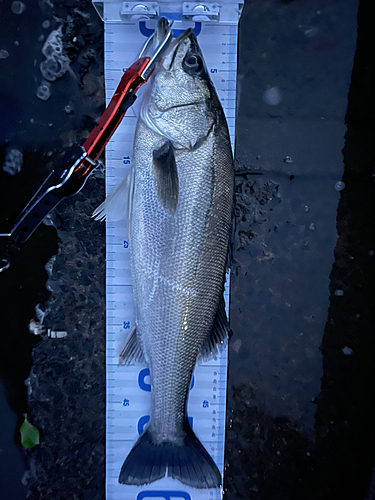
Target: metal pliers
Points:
(70, 175)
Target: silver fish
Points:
(180, 199)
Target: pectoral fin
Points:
(166, 177)
(219, 335)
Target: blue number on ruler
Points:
(126, 325)
(146, 386)
(126, 160)
(143, 421)
(213, 70)
(167, 495)
(126, 244)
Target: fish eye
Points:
(193, 62)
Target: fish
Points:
(178, 201)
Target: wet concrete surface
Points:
(12, 467)
(60, 270)
(301, 376)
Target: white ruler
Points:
(128, 390)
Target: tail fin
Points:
(188, 462)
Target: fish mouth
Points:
(170, 53)
(161, 30)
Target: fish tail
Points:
(188, 462)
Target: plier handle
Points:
(70, 175)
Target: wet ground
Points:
(300, 421)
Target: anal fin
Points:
(219, 335)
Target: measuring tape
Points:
(128, 400)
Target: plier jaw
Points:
(70, 175)
(159, 50)
(135, 76)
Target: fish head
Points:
(180, 102)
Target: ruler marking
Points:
(120, 381)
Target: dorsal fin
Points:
(132, 351)
(119, 202)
